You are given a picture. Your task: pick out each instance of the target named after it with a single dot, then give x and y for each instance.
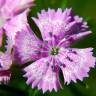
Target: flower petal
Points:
(5, 76)
(23, 5)
(16, 7)
(27, 46)
(5, 64)
(40, 74)
(76, 63)
(66, 42)
(15, 24)
(59, 23)
(5, 61)
(11, 18)
(2, 3)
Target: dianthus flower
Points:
(9, 10)
(5, 64)
(59, 30)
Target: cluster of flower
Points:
(51, 54)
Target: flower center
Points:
(54, 51)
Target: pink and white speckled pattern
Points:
(15, 25)
(5, 64)
(60, 23)
(13, 15)
(59, 30)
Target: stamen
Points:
(61, 64)
(50, 33)
(37, 52)
(69, 59)
(72, 51)
(53, 68)
(47, 63)
(46, 41)
(40, 46)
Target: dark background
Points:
(83, 8)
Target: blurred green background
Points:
(84, 8)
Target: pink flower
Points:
(5, 64)
(53, 54)
(10, 10)
(16, 24)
